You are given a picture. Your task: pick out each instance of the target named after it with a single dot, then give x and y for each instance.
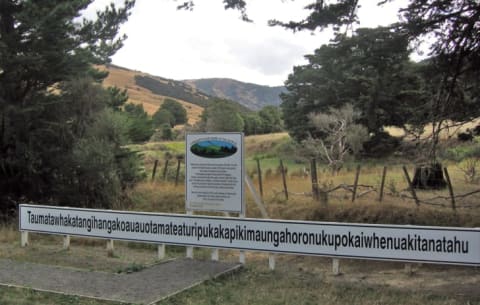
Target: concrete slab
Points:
(143, 287)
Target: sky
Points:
(210, 42)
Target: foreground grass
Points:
(261, 287)
(297, 280)
(238, 289)
(21, 296)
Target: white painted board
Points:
(214, 171)
(444, 245)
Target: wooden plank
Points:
(24, 238)
(161, 251)
(66, 242)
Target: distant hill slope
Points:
(180, 90)
(250, 95)
(125, 79)
(194, 95)
(151, 91)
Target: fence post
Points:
(165, 169)
(355, 183)
(259, 173)
(161, 251)
(336, 266)
(271, 261)
(215, 255)
(110, 247)
(284, 179)
(66, 242)
(450, 189)
(313, 170)
(410, 185)
(24, 239)
(154, 169)
(382, 184)
(178, 171)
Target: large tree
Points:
(178, 112)
(221, 116)
(368, 70)
(140, 126)
(46, 47)
(450, 26)
(454, 68)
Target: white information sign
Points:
(214, 172)
(443, 245)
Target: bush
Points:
(462, 152)
(99, 168)
(380, 145)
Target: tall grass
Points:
(8, 233)
(396, 208)
(158, 197)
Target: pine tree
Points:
(44, 47)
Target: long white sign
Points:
(443, 245)
(214, 171)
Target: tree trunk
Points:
(429, 177)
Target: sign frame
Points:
(204, 189)
(466, 253)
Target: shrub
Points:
(381, 144)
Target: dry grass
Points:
(263, 143)
(158, 197)
(447, 133)
(296, 280)
(397, 199)
(397, 206)
(125, 79)
(8, 233)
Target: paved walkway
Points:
(143, 287)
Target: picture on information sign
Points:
(213, 149)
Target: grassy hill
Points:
(125, 79)
(151, 91)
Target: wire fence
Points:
(390, 182)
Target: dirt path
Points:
(143, 287)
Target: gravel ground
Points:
(143, 287)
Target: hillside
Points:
(180, 90)
(250, 95)
(125, 79)
(151, 91)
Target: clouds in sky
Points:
(211, 42)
